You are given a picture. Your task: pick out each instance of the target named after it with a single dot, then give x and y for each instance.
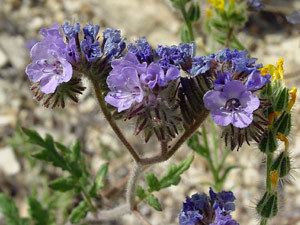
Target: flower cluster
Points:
(215, 209)
(143, 84)
(60, 57)
(232, 98)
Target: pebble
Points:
(3, 59)
(8, 162)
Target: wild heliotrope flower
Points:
(49, 66)
(215, 209)
(130, 81)
(231, 81)
(143, 88)
(233, 105)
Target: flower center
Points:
(232, 104)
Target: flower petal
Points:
(222, 117)
(241, 119)
(214, 100)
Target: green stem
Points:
(87, 198)
(263, 221)
(268, 169)
(187, 22)
(210, 162)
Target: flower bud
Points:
(282, 164)
(267, 207)
(281, 100)
(268, 143)
(283, 124)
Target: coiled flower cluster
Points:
(166, 89)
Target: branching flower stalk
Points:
(169, 92)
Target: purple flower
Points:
(214, 209)
(129, 80)
(156, 75)
(223, 200)
(232, 105)
(113, 44)
(200, 65)
(49, 65)
(223, 219)
(91, 31)
(124, 83)
(142, 49)
(222, 79)
(71, 31)
(174, 55)
(189, 217)
(91, 50)
(256, 81)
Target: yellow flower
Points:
(218, 4)
(293, 96)
(276, 71)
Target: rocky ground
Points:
(268, 36)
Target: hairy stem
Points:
(131, 185)
(141, 218)
(108, 117)
(268, 170)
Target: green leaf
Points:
(194, 144)
(10, 211)
(194, 12)
(153, 202)
(99, 179)
(152, 182)
(79, 212)
(63, 184)
(49, 152)
(140, 192)
(40, 215)
(172, 177)
(34, 137)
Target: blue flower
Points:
(174, 55)
(142, 49)
(211, 210)
(223, 200)
(71, 31)
(91, 31)
(113, 43)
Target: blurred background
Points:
(267, 35)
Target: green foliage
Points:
(10, 211)
(99, 179)
(63, 184)
(268, 143)
(284, 123)
(282, 164)
(194, 12)
(171, 177)
(40, 215)
(267, 207)
(222, 25)
(79, 212)
(218, 168)
(70, 160)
